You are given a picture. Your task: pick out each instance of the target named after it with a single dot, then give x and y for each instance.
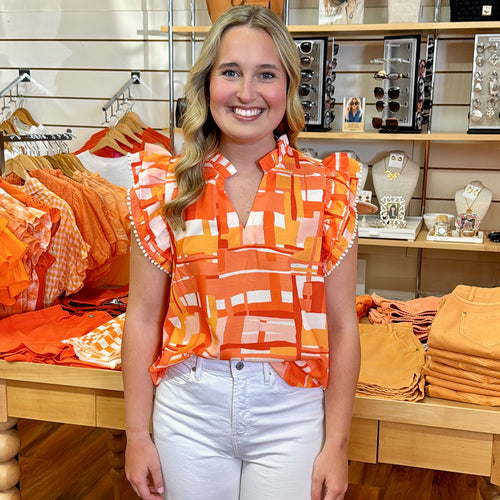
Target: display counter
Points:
(432, 433)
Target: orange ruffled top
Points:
(254, 293)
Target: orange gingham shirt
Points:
(253, 293)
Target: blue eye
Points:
(229, 73)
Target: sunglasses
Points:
(381, 60)
(381, 75)
(354, 103)
(306, 60)
(335, 49)
(392, 92)
(305, 47)
(307, 105)
(394, 106)
(331, 64)
(305, 89)
(389, 123)
(307, 74)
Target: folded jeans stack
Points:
(419, 312)
(464, 347)
(392, 360)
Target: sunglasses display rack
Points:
(425, 86)
(484, 117)
(396, 92)
(316, 88)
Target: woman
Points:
(353, 113)
(228, 288)
(342, 12)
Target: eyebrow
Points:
(260, 66)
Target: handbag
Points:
(217, 7)
(474, 10)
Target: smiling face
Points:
(248, 88)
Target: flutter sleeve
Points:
(340, 217)
(154, 184)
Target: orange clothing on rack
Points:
(254, 292)
(86, 220)
(110, 197)
(13, 276)
(71, 252)
(149, 135)
(33, 227)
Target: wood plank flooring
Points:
(67, 462)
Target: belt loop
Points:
(197, 369)
(266, 368)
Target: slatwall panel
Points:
(81, 53)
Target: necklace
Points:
(470, 205)
(392, 176)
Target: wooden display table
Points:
(433, 433)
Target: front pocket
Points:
(481, 328)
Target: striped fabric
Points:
(256, 292)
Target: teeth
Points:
(246, 112)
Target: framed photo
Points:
(354, 114)
(392, 210)
(341, 11)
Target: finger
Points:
(157, 479)
(316, 488)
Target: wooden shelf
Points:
(376, 136)
(421, 241)
(370, 29)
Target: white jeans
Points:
(232, 430)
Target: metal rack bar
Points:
(171, 72)
(135, 79)
(24, 76)
(4, 138)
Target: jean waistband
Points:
(232, 367)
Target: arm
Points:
(331, 466)
(148, 301)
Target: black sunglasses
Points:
(305, 89)
(394, 106)
(392, 92)
(305, 47)
(307, 105)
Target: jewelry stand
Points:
(485, 89)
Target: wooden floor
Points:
(66, 462)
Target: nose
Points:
(246, 89)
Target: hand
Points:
(142, 463)
(330, 474)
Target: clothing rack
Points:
(4, 138)
(135, 79)
(24, 76)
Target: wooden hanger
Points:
(23, 115)
(132, 124)
(107, 141)
(128, 132)
(134, 116)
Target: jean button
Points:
(239, 365)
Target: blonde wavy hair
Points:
(201, 134)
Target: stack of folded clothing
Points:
(392, 360)
(419, 312)
(464, 347)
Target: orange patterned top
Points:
(256, 292)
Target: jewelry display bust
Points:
(474, 198)
(395, 175)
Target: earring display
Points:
(484, 111)
(316, 89)
(396, 89)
